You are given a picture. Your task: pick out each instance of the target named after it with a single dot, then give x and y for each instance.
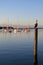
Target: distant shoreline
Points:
(38, 28)
(17, 28)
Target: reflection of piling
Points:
(35, 46)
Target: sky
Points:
(21, 12)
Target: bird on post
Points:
(36, 24)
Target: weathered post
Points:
(35, 43)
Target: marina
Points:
(12, 29)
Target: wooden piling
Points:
(35, 45)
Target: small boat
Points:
(10, 30)
(26, 30)
(0, 30)
(5, 30)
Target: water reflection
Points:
(17, 49)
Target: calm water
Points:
(18, 48)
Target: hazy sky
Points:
(21, 11)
